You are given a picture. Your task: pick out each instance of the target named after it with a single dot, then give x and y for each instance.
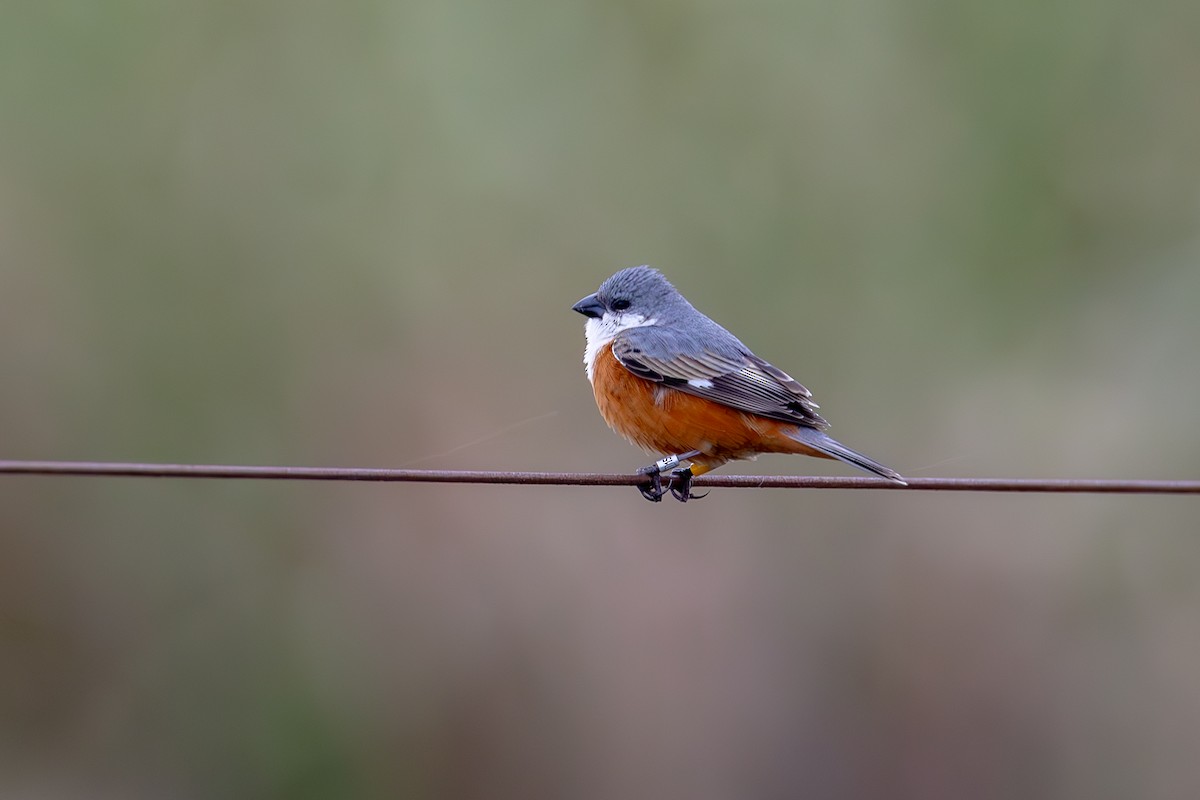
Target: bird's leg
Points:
(653, 489)
(681, 483)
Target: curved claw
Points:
(681, 486)
(652, 489)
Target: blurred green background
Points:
(350, 234)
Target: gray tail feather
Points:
(835, 449)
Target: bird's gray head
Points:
(630, 298)
(641, 297)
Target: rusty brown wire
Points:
(143, 470)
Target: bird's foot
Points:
(653, 489)
(679, 485)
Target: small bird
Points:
(672, 381)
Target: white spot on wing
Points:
(700, 383)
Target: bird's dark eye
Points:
(620, 305)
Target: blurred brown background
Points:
(350, 234)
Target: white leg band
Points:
(670, 462)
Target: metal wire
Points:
(139, 470)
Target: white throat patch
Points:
(601, 331)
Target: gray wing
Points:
(724, 371)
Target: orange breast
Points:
(663, 420)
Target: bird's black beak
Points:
(590, 306)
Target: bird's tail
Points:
(822, 443)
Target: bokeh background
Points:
(265, 232)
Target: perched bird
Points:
(672, 381)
